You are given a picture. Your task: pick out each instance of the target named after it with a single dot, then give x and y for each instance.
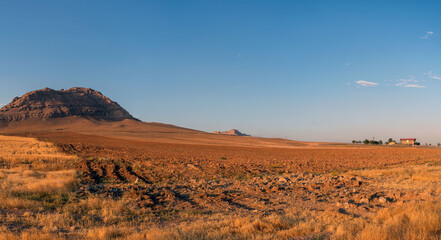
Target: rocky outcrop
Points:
(232, 132)
(48, 104)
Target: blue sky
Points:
(306, 70)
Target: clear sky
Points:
(305, 70)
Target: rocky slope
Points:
(232, 132)
(48, 104)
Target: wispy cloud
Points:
(366, 83)
(347, 64)
(427, 35)
(405, 81)
(414, 86)
(410, 82)
(433, 76)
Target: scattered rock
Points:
(193, 166)
(342, 210)
(283, 180)
(356, 183)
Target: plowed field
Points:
(160, 161)
(170, 185)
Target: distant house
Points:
(408, 141)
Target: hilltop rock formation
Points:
(48, 104)
(232, 132)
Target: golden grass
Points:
(416, 178)
(30, 153)
(413, 221)
(32, 190)
(295, 223)
(38, 200)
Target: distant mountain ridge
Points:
(232, 132)
(48, 103)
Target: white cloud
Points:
(347, 64)
(427, 35)
(366, 83)
(405, 82)
(413, 86)
(433, 76)
(410, 82)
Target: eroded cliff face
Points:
(48, 104)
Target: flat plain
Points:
(154, 181)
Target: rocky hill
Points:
(48, 104)
(232, 132)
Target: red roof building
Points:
(409, 141)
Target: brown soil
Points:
(169, 172)
(170, 177)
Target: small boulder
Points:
(283, 180)
(382, 200)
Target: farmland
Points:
(75, 185)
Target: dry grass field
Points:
(76, 186)
(26, 153)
